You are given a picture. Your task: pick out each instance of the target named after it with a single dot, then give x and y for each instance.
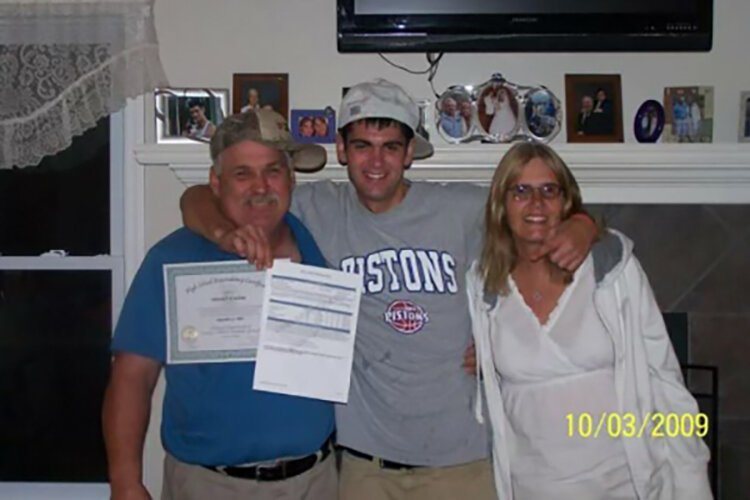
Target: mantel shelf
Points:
(607, 173)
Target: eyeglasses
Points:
(525, 192)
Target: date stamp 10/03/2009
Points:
(629, 425)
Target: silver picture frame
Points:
(188, 115)
(497, 111)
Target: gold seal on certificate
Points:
(189, 333)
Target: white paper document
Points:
(308, 326)
(213, 311)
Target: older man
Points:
(253, 101)
(589, 122)
(223, 439)
(450, 120)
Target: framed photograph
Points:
(314, 125)
(497, 111)
(744, 134)
(186, 115)
(261, 90)
(649, 121)
(593, 105)
(689, 114)
(543, 114)
(455, 114)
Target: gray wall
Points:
(697, 258)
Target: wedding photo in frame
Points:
(593, 107)
(187, 115)
(497, 111)
(744, 134)
(259, 91)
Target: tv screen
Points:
(524, 25)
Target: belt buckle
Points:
(274, 472)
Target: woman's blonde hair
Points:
(498, 258)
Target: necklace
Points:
(536, 296)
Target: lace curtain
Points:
(64, 64)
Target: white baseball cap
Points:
(380, 98)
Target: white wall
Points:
(204, 43)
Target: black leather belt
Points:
(380, 462)
(278, 471)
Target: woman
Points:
(602, 104)
(306, 126)
(563, 345)
(320, 125)
(695, 121)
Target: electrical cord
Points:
(433, 60)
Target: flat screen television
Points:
(524, 25)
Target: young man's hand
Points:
(568, 245)
(470, 360)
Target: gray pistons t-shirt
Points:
(410, 400)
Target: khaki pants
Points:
(192, 482)
(362, 479)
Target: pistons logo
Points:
(406, 317)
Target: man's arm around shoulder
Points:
(127, 408)
(201, 213)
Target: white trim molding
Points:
(607, 173)
(135, 197)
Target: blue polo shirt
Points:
(212, 415)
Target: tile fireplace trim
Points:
(611, 173)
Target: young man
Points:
(408, 429)
(223, 439)
(201, 127)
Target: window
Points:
(61, 286)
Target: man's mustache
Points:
(261, 199)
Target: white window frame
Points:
(121, 141)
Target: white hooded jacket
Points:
(647, 375)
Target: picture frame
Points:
(313, 126)
(689, 114)
(542, 114)
(261, 90)
(648, 123)
(455, 115)
(186, 115)
(498, 111)
(593, 107)
(744, 129)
